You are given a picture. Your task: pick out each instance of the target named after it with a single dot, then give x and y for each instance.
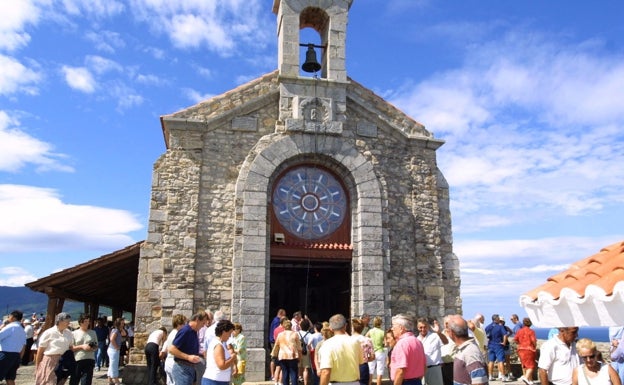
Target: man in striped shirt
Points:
(469, 367)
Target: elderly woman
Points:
(114, 347)
(591, 371)
(53, 343)
(289, 345)
(219, 360)
(527, 348)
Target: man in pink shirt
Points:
(408, 362)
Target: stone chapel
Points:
(297, 191)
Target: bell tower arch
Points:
(328, 18)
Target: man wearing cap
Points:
(12, 341)
(408, 363)
(340, 356)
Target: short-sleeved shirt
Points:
(495, 333)
(377, 336)
(55, 341)
(525, 339)
(408, 354)
(558, 360)
(12, 338)
(82, 337)
(432, 344)
(187, 341)
(469, 365)
(343, 355)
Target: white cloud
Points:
(218, 25)
(16, 15)
(36, 219)
(529, 123)
(18, 149)
(106, 41)
(96, 8)
(16, 77)
(101, 65)
(196, 96)
(15, 276)
(126, 96)
(79, 78)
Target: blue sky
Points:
(529, 97)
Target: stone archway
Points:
(251, 272)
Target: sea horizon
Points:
(596, 334)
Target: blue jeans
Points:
(100, 354)
(183, 374)
(290, 371)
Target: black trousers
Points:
(83, 373)
(26, 356)
(152, 356)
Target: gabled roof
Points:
(589, 293)
(264, 90)
(110, 280)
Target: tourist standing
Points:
(407, 363)
(432, 341)
(30, 334)
(340, 355)
(185, 349)
(469, 366)
(155, 340)
(53, 343)
(239, 344)
(101, 331)
(378, 365)
(178, 321)
(12, 342)
(219, 359)
(527, 350)
(114, 349)
(591, 371)
(558, 358)
(288, 346)
(85, 345)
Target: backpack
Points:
(304, 345)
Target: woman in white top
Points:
(592, 371)
(52, 344)
(153, 354)
(219, 359)
(177, 322)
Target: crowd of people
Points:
(61, 354)
(209, 349)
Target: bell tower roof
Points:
(328, 18)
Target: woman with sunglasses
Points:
(592, 371)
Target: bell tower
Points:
(312, 104)
(328, 18)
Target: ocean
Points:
(596, 334)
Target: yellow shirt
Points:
(343, 355)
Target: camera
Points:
(93, 344)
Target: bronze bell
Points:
(311, 64)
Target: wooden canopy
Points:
(110, 280)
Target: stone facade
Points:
(210, 232)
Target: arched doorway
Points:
(310, 244)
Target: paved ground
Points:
(26, 376)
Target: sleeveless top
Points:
(288, 350)
(601, 379)
(212, 370)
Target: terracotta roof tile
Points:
(602, 270)
(589, 293)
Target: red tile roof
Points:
(601, 270)
(589, 293)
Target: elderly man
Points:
(407, 362)
(432, 339)
(12, 341)
(469, 366)
(340, 356)
(185, 350)
(558, 358)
